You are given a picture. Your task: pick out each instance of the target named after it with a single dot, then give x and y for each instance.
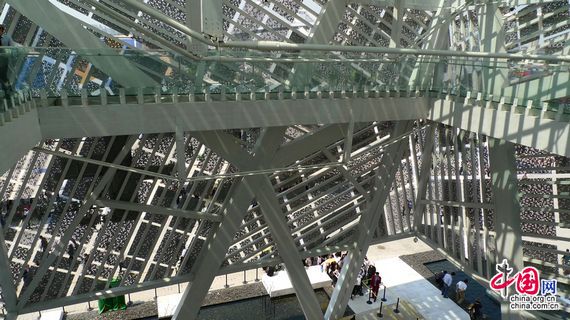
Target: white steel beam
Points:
(502, 162)
(424, 176)
(274, 217)
(438, 36)
(411, 4)
(26, 130)
(492, 40)
(321, 33)
(111, 120)
(235, 207)
(544, 134)
(7, 279)
(204, 16)
(140, 207)
(180, 153)
(504, 184)
(277, 222)
(398, 15)
(384, 179)
(59, 24)
(310, 143)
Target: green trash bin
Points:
(115, 303)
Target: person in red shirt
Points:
(375, 284)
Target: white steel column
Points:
(281, 234)
(204, 16)
(274, 217)
(322, 32)
(180, 153)
(7, 281)
(235, 207)
(507, 209)
(384, 179)
(492, 40)
(437, 34)
(424, 175)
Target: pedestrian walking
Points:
(43, 243)
(460, 289)
(375, 282)
(447, 281)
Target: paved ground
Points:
(405, 283)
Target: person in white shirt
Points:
(447, 280)
(460, 288)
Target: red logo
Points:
(527, 280)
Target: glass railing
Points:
(234, 74)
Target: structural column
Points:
(507, 218)
(7, 281)
(235, 207)
(426, 70)
(384, 180)
(423, 180)
(492, 40)
(281, 234)
(322, 32)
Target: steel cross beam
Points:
(439, 29)
(7, 280)
(234, 209)
(310, 143)
(492, 40)
(321, 33)
(411, 4)
(424, 175)
(140, 207)
(385, 176)
(507, 214)
(277, 222)
(274, 217)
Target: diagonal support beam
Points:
(281, 234)
(234, 209)
(180, 153)
(310, 143)
(6, 279)
(424, 175)
(321, 33)
(140, 207)
(502, 163)
(492, 40)
(424, 70)
(384, 179)
(274, 217)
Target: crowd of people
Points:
(367, 275)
